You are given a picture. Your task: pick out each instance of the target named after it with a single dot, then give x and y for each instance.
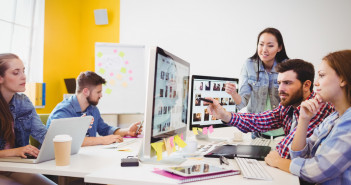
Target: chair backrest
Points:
(43, 118)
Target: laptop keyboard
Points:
(252, 169)
(29, 156)
(122, 144)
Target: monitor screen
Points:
(209, 86)
(167, 97)
(170, 95)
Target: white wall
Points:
(217, 36)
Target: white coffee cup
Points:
(238, 136)
(190, 148)
(62, 147)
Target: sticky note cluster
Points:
(204, 130)
(169, 145)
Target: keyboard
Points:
(252, 169)
(260, 142)
(122, 144)
(204, 149)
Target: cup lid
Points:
(62, 138)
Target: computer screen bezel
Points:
(202, 77)
(150, 102)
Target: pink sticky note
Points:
(204, 130)
(181, 136)
(99, 64)
(111, 74)
(115, 50)
(171, 140)
(131, 78)
(126, 62)
(130, 71)
(210, 129)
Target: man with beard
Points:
(295, 81)
(83, 103)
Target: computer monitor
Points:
(209, 86)
(70, 85)
(166, 105)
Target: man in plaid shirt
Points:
(295, 81)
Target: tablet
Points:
(196, 170)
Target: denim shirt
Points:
(253, 92)
(70, 108)
(326, 157)
(26, 122)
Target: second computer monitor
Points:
(209, 86)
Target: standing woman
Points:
(259, 87)
(325, 157)
(18, 120)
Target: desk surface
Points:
(98, 165)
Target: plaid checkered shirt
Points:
(277, 118)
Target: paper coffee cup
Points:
(62, 147)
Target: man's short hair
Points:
(88, 79)
(303, 69)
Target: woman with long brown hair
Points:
(325, 157)
(18, 120)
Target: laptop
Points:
(245, 151)
(75, 127)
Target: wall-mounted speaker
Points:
(101, 16)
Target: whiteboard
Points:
(123, 68)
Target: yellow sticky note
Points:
(200, 129)
(102, 71)
(158, 148)
(168, 146)
(121, 54)
(195, 131)
(123, 70)
(99, 54)
(108, 91)
(179, 141)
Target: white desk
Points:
(114, 174)
(98, 165)
(88, 160)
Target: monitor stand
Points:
(176, 158)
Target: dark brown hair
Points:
(88, 79)
(281, 56)
(6, 118)
(304, 70)
(340, 61)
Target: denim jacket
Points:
(253, 92)
(70, 108)
(26, 122)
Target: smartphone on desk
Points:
(139, 127)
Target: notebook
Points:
(245, 151)
(182, 179)
(75, 127)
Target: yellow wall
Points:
(69, 37)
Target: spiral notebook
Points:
(182, 179)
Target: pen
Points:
(206, 100)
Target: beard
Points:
(92, 102)
(295, 98)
